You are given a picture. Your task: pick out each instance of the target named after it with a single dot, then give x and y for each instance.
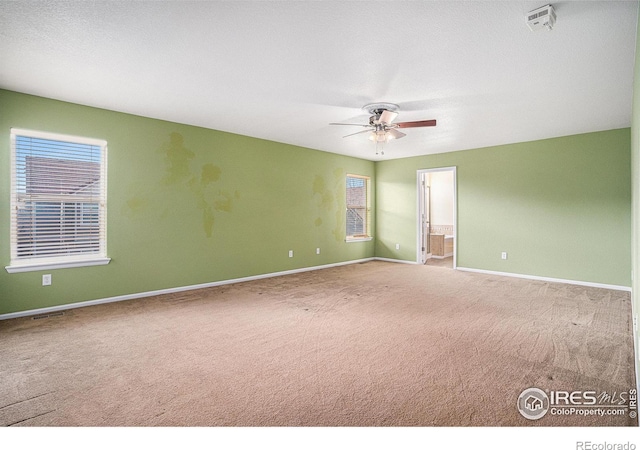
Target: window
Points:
(358, 208)
(58, 201)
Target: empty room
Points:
(319, 214)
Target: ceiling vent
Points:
(541, 18)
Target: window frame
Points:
(367, 236)
(26, 264)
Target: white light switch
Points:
(46, 280)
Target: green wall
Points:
(186, 205)
(560, 207)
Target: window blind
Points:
(58, 191)
(358, 208)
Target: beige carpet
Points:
(373, 344)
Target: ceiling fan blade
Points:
(388, 116)
(395, 133)
(358, 132)
(417, 123)
(353, 124)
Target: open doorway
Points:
(437, 217)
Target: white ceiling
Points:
(283, 70)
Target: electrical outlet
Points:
(318, 251)
(397, 246)
(290, 253)
(504, 255)
(635, 323)
(46, 280)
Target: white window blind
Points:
(58, 198)
(358, 208)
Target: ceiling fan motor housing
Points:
(375, 120)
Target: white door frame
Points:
(455, 212)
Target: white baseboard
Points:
(120, 298)
(553, 280)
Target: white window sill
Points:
(32, 267)
(364, 239)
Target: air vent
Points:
(46, 316)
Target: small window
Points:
(358, 208)
(58, 201)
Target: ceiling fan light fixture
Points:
(379, 136)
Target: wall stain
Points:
(210, 173)
(201, 183)
(177, 158)
(224, 202)
(329, 197)
(318, 185)
(137, 203)
(208, 220)
(340, 187)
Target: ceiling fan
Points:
(381, 127)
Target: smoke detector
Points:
(541, 18)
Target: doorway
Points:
(437, 217)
